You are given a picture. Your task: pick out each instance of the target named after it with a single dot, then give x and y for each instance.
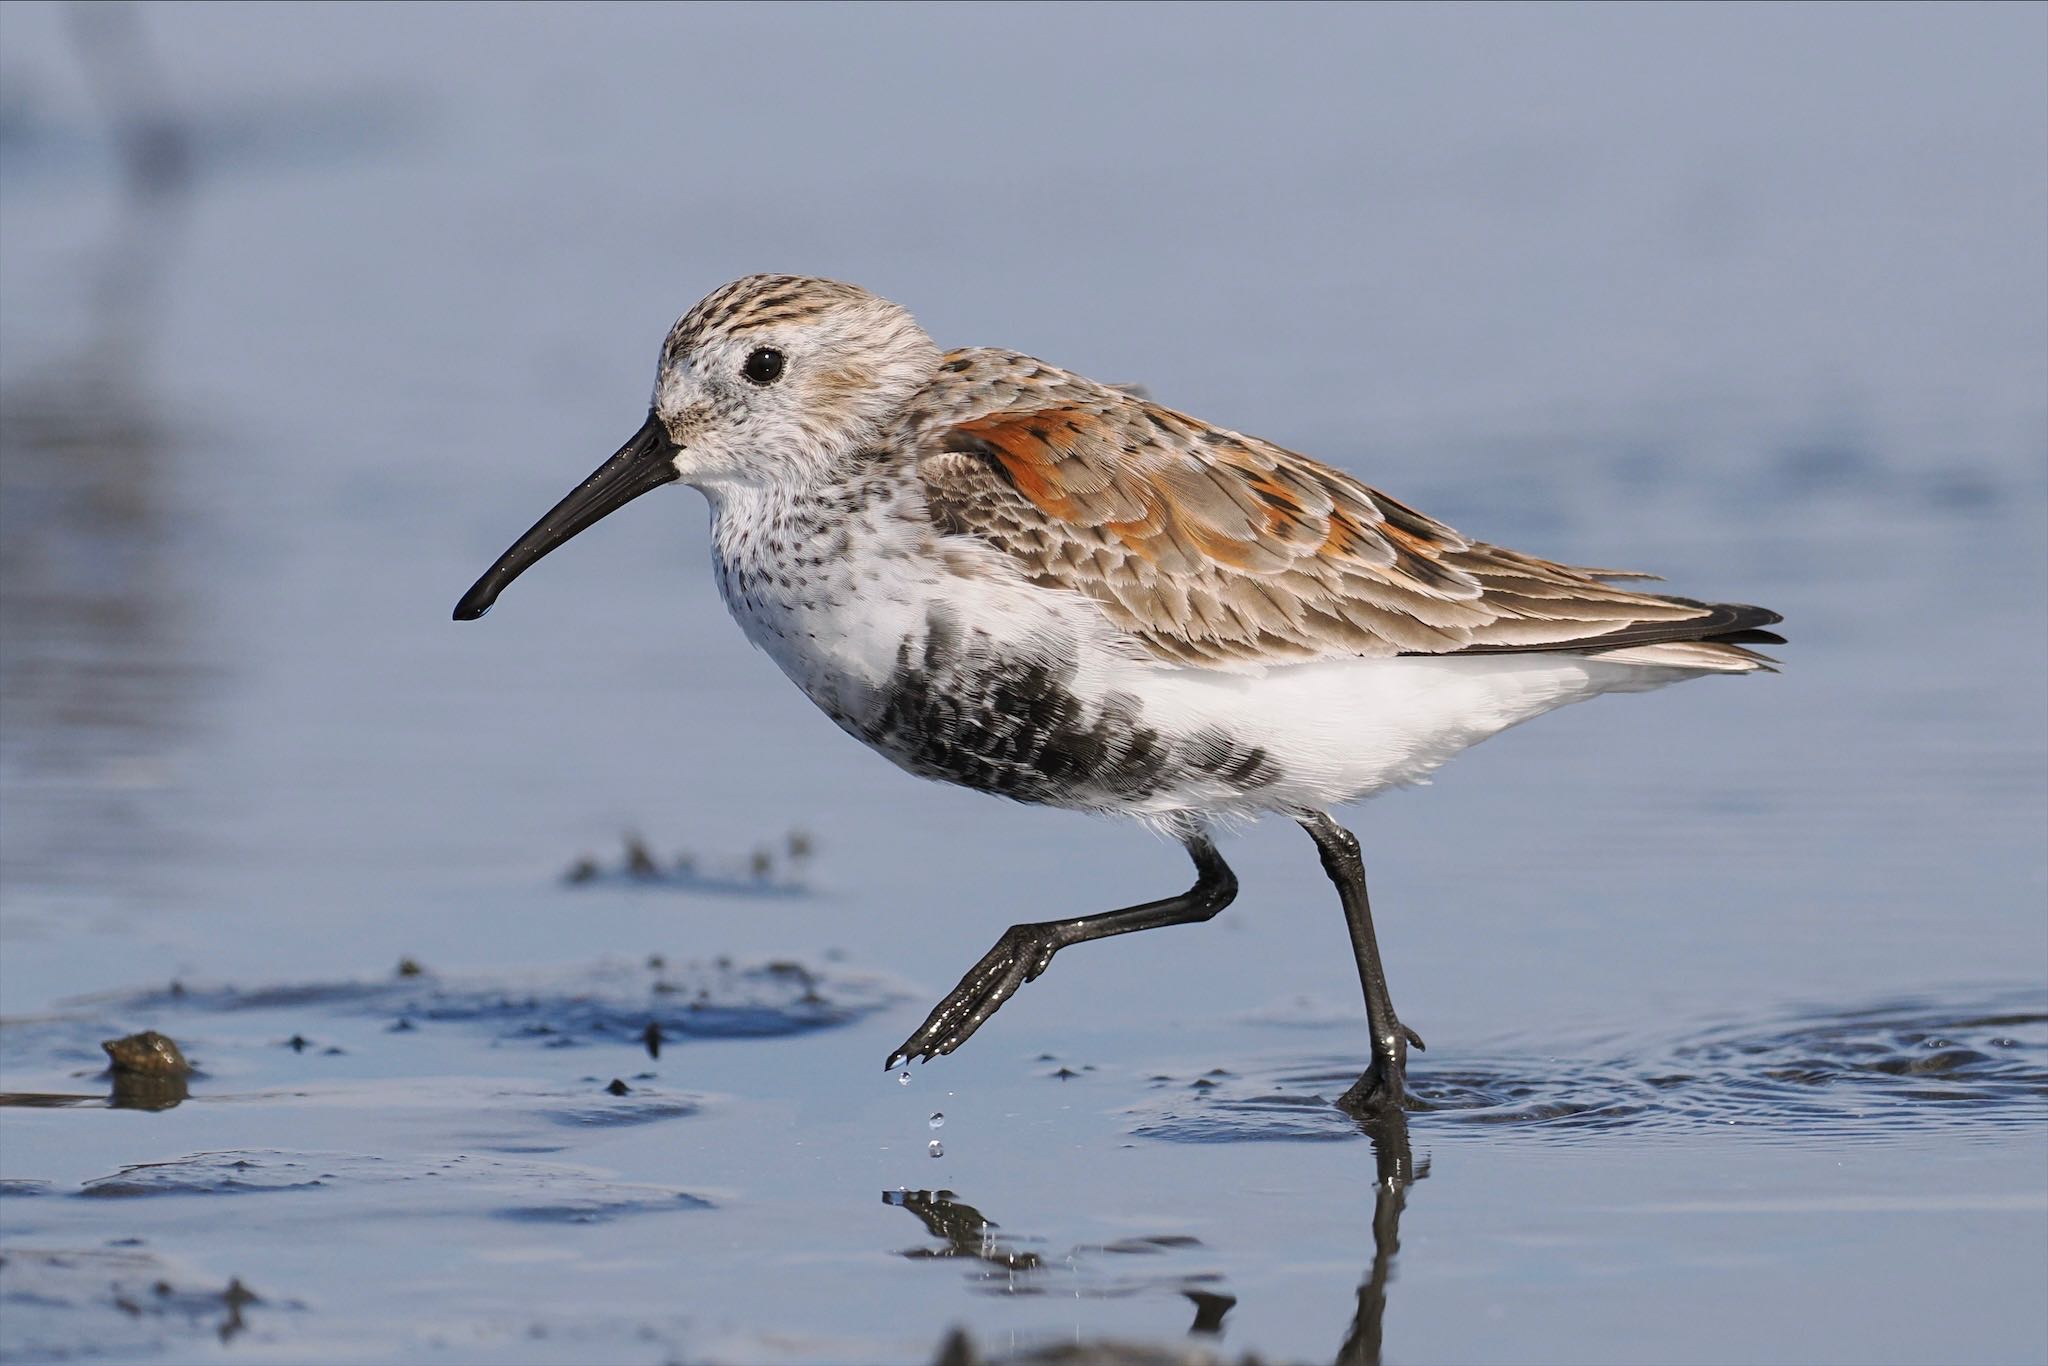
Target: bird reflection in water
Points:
(1394, 1170)
(965, 1230)
(969, 1234)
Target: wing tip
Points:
(1732, 625)
(1722, 644)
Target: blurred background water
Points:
(1735, 994)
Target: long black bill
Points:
(646, 462)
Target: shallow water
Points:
(1736, 995)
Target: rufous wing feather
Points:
(1218, 549)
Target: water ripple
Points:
(1859, 1073)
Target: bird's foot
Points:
(1018, 957)
(1383, 1088)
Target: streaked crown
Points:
(773, 375)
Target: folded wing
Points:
(1216, 549)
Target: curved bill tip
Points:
(643, 464)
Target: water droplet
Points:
(903, 1077)
(938, 1120)
(936, 1148)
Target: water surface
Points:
(1736, 994)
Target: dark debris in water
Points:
(1863, 1072)
(763, 872)
(148, 1054)
(622, 1003)
(148, 1072)
(145, 1071)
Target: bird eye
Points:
(764, 365)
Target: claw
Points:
(1018, 957)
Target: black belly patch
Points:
(960, 710)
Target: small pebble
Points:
(148, 1054)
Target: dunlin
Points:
(1004, 575)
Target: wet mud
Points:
(649, 1002)
(517, 1189)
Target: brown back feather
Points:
(1212, 548)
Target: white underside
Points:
(1338, 730)
(1342, 730)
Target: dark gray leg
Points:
(1024, 951)
(1385, 1083)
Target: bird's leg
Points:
(1385, 1083)
(1024, 951)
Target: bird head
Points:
(768, 381)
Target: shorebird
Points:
(1005, 575)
